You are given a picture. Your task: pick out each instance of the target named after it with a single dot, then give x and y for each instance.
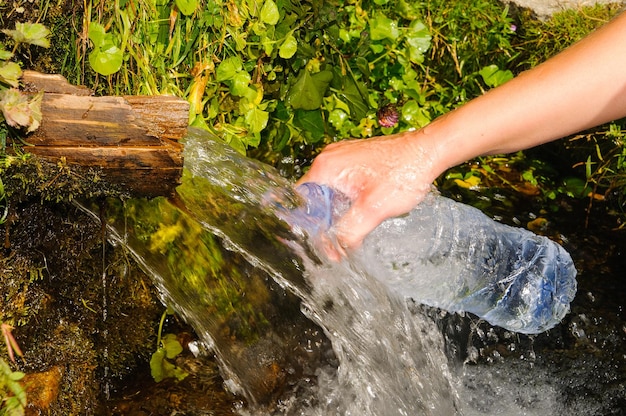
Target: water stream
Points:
(294, 333)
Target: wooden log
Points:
(132, 139)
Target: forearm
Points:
(579, 88)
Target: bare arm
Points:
(387, 176)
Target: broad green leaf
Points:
(344, 35)
(239, 83)
(254, 139)
(187, 7)
(171, 345)
(156, 365)
(106, 59)
(97, 34)
(418, 39)
(576, 187)
(382, 27)
(32, 33)
(10, 73)
(288, 47)
(494, 76)
(268, 45)
(354, 93)
(408, 9)
(308, 91)
(337, 117)
(312, 124)
(16, 375)
(4, 54)
(236, 143)
(240, 40)
(256, 119)
(269, 12)
(414, 115)
(228, 68)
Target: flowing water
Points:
(296, 334)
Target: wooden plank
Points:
(154, 171)
(165, 116)
(132, 139)
(70, 120)
(53, 83)
(155, 157)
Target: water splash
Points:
(259, 295)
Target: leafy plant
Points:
(12, 392)
(296, 74)
(168, 348)
(18, 110)
(106, 57)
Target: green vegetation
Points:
(18, 110)
(276, 79)
(280, 79)
(168, 347)
(11, 391)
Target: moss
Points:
(77, 303)
(542, 39)
(27, 176)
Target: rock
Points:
(42, 390)
(545, 8)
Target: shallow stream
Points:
(296, 335)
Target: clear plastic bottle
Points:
(450, 255)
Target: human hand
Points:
(383, 177)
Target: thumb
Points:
(352, 228)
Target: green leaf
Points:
(160, 367)
(228, 68)
(288, 47)
(97, 34)
(10, 73)
(32, 33)
(354, 93)
(106, 57)
(236, 143)
(494, 76)
(256, 119)
(413, 114)
(171, 345)
(269, 12)
(156, 365)
(106, 60)
(239, 83)
(312, 123)
(4, 54)
(187, 7)
(308, 91)
(382, 27)
(16, 375)
(337, 118)
(418, 41)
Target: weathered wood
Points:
(70, 120)
(34, 81)
(133, 139)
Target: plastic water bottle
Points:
(450, 255)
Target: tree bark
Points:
(132, 139)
